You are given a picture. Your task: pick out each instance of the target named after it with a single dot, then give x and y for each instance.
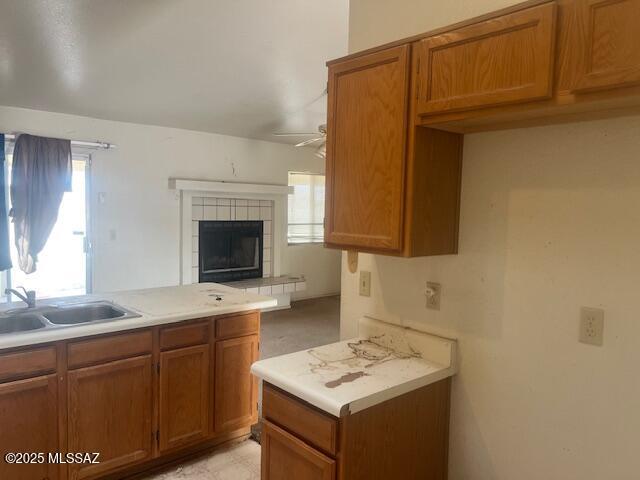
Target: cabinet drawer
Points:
(109, 348)
(285, 457)
(508, 59)
(184, 335)
(314, 427)
(237, 325)
(27, 363)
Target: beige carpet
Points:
(307, 324)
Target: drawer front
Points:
(285, 457)
(184, 335)
(105, 349)
(237, 325)
(504, 60)
(27, 363)
(316, 428)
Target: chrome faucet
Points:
(29, 296)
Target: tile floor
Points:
(240, 461)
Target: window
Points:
(306, 208)
(63, 267)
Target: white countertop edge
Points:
(393, 392)
(339, 409)
(66, 333)
(283, 382)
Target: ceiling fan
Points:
(321, 137)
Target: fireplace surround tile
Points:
(197, 212)
(224, 212)
(210, 213)
(214, 208)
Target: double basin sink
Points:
(49, 317)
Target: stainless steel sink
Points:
(51, 317)
(20, 322)
(74, 315)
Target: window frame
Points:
(80, 154)
(311, 242)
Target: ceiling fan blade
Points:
(309, 142)
(321, 151)
(299, 134)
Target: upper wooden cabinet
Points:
(394, 138)
(388, 189)
(508, 59)
(366, 150)
(607, 45)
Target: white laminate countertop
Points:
(343, 378)
(156, 306)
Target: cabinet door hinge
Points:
(158, 368)
(158, 437)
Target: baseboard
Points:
(311, 297)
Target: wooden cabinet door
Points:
(609, 44)
(110, 411)
(508, 59)
(29, 423)
(236, 390)
(366, 150)
(285, 457)
(184, 396)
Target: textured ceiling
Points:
(239, 67)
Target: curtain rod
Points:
(11, 138)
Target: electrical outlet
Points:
(591, 326)
(365, 284)
(433, 293)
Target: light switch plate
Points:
(365, 283)
(591, 326)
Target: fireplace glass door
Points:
(230, 250)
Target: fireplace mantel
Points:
(213, 186)
(189, 188)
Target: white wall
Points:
(317, 264)
(550, 221)
(141, 209)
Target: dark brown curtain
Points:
(40, 174)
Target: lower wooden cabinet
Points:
(184, 396)
(29, 423)
(110, 409)
(406, 437)
(139, 398)
(285, 457)
(236, 390)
